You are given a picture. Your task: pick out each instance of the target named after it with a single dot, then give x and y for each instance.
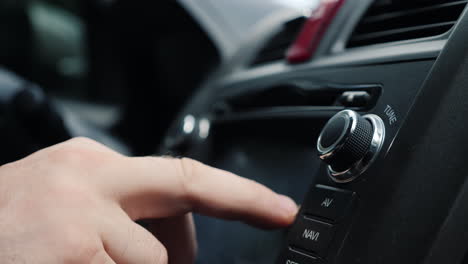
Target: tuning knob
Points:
(349, 143)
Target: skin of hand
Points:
(77, 202)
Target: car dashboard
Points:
(260, 116)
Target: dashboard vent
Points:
(276, 47)
(396, 20)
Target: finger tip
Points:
(288, 208)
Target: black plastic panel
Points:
(279, 151)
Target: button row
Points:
(314, 229)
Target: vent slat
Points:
(413, 11)
(403, 33)
(388, 6)
(361, 37)
(389, 21)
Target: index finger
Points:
(153, 187)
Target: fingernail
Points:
(287, 205)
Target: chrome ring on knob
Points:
(378, 137)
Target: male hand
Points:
(77, 202)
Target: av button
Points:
(311, 236)
(329, 203)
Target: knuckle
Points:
(81, 151)
(83, 141)
(68, 153)
(189, 176)
(89, 144)
(187, 167)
